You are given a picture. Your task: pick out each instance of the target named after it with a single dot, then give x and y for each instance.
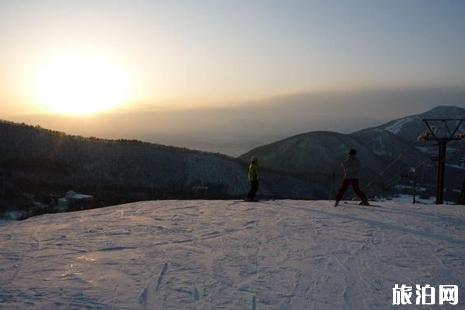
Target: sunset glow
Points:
(80, 85)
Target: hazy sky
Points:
(172, 53)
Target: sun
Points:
(80, 85)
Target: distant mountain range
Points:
(37, 164)
(238, 127)
(386, 152)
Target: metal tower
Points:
(447, 132)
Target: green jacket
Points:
(252, 173)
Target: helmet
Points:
(352, 152)
(253, 159)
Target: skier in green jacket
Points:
(252, 174)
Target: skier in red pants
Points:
(351, 174)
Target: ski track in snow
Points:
(229, 255)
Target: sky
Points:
(69, 57)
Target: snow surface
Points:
(397, 126)
(423, 149)
(456, 166)
(406, 199)
(380, 147)
(229, 255)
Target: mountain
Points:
(408, 128)
(386, 152)
(236, 127)
(310, 155)
(281, 254)
(43, 165)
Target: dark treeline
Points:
(38, 165)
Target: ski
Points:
(348, 203)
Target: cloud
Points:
(236, 128)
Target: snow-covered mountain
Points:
(386, 152)
(38, 164)
(312, 155)
(230, 255)
(408, 128)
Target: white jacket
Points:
(351, 167)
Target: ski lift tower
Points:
(442, 131)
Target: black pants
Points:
(253, 190)
(354, 183)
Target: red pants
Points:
(345, 185)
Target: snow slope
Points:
(396, 126)
(229, 255)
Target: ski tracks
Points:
(149, 296)
(230, 255)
